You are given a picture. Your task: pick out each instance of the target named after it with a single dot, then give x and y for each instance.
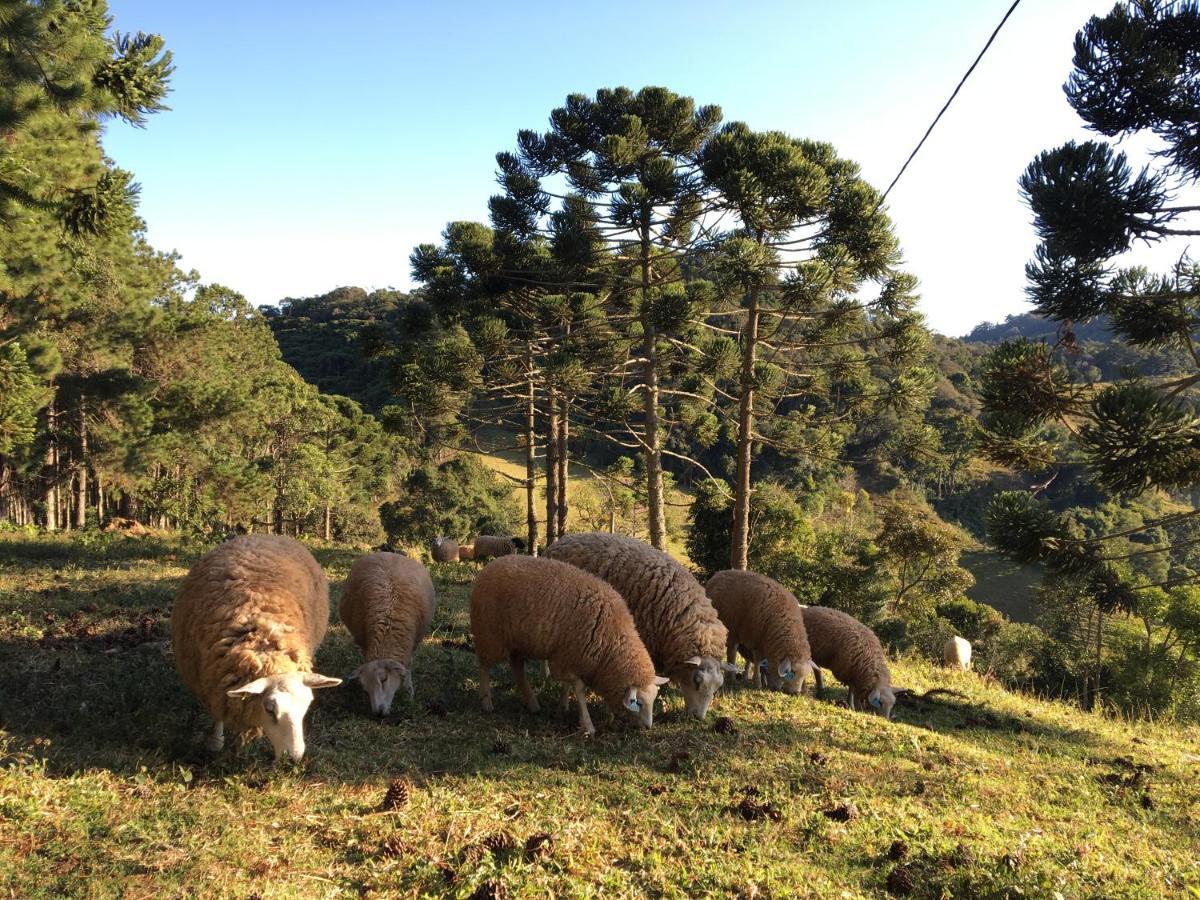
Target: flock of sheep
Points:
(603, 612)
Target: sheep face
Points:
(279, 703)
(639, 701)
(699, 679)
(782, 675)
(381, 678)
(880, 700)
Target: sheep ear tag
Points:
(875, 702)
(633, 704)
(790, 676)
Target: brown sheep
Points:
(524, 608)
(387, 606)
(852, 652)
(674, 616)
(247, 620)
(764, 619)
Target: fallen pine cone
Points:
(397, 795)
(724, 725)
(539, 845)
(499, 842)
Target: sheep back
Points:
(487, 546)
(444, 550)
(538, 608)
(387, 605)
(255, 605)
(956, 653)
(761, 614)
(847, 647)
(674, 616)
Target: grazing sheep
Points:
(765, 620)
(849, 649)
(387, 605)
(524, 607)
(466, 552)
(674, 616)
(444, 550)
(489, 546)
(956, 653)
(246, 622)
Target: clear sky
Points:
(312, 145)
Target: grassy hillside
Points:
(105, 788)
(1003, 584)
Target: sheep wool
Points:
(255, 606)
(526, 607)
(764, 618)
(956, 653)
(849, 649)
(675, 618)
(489, 546)
(444, 550)
(387, 606)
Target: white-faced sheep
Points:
(956, 653)
(524, 607)
(674, 616)
(444, 550)
(247, 620)
(849, 649)
(387, 605)
(765, 620)
(490, 546)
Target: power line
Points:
(938, 118)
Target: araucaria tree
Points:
(1136, 71)
(809, 239)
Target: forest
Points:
(671, 326)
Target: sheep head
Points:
(699, 679)
(278, 704)
(639, 700)
(381, 678)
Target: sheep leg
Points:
(485, 687)
(518, 670)
(216, 738)
(408, 683)
(564, 697)
(585, 720)
(819, 682)
(731, 646)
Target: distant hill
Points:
(1034, 327)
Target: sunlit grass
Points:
(105, 788)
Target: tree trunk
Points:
(530, 459)
(99, 500)
(50, 471)
(81, 485)
(655, 504)
(328, 529)
(563, 459)
(551, 467)
(739, 549)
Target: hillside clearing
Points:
(105, 777)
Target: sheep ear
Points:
(396, 667)
(694, 661)
(731, 667)
(313, 680)
(660, 680)
(252, 689)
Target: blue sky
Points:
(314, 148)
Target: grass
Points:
(1003, 584)
(105, 788)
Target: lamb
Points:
(956, 653)
(525, 607)
(444, 550)
(387, 605)
(764, 619)
(247, 619)
(488, 546)
(674, 616)
(849, 649)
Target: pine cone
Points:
(539, 845)
(499, 842)
(491, 890)
(397, 794)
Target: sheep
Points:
(444, 550)
(764, 619)
(674, 616)
(525, 607)
(247, 619)
(849, 649)
(387, 605)
(956, 653)
(488, 546)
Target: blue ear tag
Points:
(875, 702)
(633, 704)
(349, 677)
(790, 676)
(763, 665)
